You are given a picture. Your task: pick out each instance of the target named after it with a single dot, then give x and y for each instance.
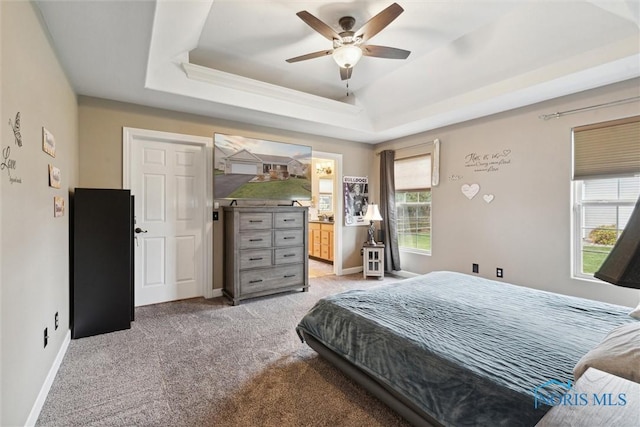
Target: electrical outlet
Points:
(499, 272)
(475, 268)
(56, 321)
(46, 337)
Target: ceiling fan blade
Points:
(310, 56)
(378, 22)
(384, 52)
(345, 73)
(318, 25)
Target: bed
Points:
(452, 349)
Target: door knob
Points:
(140, 230)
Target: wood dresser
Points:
(265, 251)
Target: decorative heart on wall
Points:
(488, 198)
(470, 190)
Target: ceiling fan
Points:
(349, 46)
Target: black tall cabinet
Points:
(102, 261)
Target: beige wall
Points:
(526, 229)
(100, 133)
(35, 250)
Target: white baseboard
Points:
(352, 270)
(48, 382)
(217, 292)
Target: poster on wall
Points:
(356, 199)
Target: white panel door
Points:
(167, 180)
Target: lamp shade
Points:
(347, 56)
(622, 266)
(373, 213)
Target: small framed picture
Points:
(324, 203)
(48, 142)
(54, 176)
(58, 206)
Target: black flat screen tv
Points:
(258, 169)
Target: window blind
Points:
(413, 173)
(607, 149)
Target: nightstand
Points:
(605, 400)
(373, 260)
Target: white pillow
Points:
(617, 354)
(635, 313)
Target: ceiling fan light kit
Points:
(347, 56)
(349, 46)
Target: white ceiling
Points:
(226, 59)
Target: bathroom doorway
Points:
(325, 231)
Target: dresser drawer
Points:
(288, 220)
(289, 237)
(289, 255)
(254, 259)
(254, 240)
(262, 280)
(255, 221)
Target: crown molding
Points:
(256, 87)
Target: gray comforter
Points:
(466, 350)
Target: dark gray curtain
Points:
(388, 211)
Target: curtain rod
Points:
(592, 107)
(408, 146)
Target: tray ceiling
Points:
(226, 59)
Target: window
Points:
(602, 210)
(413, 202)
(606, 173)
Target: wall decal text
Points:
(488, 162)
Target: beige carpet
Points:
(205, 363)
(319, 269)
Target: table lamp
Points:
(373, 214)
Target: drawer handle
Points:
(255, 281)
(289, 237)
(286, 276)
(255, 240)
(289, 219)
(255, 259)
(255, 220)
(289, 255)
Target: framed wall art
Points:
(58, 206)
(48, 142)
(356, 199)
(54, 176)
